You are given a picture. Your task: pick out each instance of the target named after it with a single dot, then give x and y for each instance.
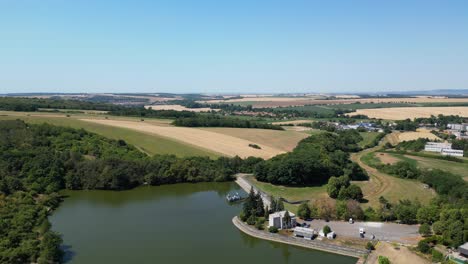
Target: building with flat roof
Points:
(443, 148)
(436, 146)
(304, 232)
(277, 220)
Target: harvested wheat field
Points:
(282, 140)
(420, 133)
(221, 143)
(401, 113)
(179, 108)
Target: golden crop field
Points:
(232, 143)
(401, 113)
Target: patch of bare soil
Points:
(396, 255)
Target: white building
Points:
(452, 152)
(443, 148)
(277, 220)
(437, 146)
(306, 233)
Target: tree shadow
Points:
(68, 253)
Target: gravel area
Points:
(406, 234)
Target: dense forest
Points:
(34, 104)
(36, 161)
(219, 121)
(314, 161)
(149, 113)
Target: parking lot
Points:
(407, 234)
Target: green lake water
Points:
(182, 223)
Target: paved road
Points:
(406, 234)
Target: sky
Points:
(241, 46)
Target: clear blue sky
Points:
(232, 46)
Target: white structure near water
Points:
(304, 232)
(277, 220)
(443, 148)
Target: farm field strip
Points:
(216, 142)
(401, 113)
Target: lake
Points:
(182, 223)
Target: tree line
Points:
(220, 121)
(35, 104)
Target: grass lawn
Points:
(150, 144)
(291, 193)
(391, 187)
(458, 168)
(368, 137)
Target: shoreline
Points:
(310, 244)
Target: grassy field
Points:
(381, 184)
(368, 137)
(147, 143)
(291, 193)
(458, 168)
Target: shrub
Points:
(326, 230)
(304, 211)
(259, 224)
(370, 246)
(383, 260)
(437, 256)
(425, 230)
(423, 246)
(251, 220)
(273, 229)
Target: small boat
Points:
(233, 198)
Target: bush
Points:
(423, 246)
(326, 230)
(251, 220)
(425, 230)
(370, 246)
(383, 260)
(304, 211)
(437, 256)
(259, 224)
(273, 229)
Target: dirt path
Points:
(378, 182)
(392, 188)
